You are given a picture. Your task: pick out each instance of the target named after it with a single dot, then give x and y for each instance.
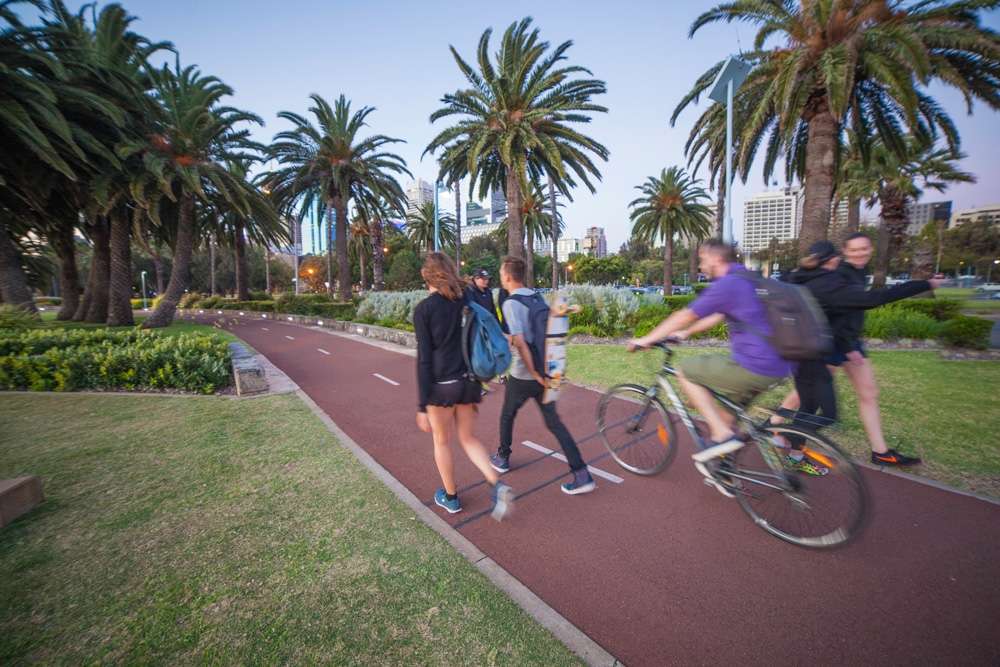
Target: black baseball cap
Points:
(480, 273)
(824, 251)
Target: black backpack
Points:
(538, 324)
(801, 331)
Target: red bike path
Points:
(664, 570)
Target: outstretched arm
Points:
(849, 296)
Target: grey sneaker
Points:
(503, 501)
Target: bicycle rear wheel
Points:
(819, 512)
(636, 429)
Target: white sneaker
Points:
(704, 456)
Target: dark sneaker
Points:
(894, 458)
(582, 483)
(503, 501)
(500, 463)
(453, 506)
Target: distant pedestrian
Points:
(525, 382)
(479, 292)
(448, 393)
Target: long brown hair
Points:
(439, 272)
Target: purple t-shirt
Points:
(735, 297)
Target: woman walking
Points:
(448, 393)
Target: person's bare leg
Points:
(465, 420)
(791, 402)
(863, 378)
(441, 419)
(701, 397)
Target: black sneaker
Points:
(894, 458)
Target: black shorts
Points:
(463, 391)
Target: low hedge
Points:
(967, 331)
(941, 310)
(66, 360)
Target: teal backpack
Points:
(486, 351)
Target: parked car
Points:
(681, 290)
(654, 289)
(989, 287)
(939, 276)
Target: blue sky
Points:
(394, 56)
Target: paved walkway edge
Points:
(582, 645)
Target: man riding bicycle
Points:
(754, 365)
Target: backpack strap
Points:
(467, 313)
(754, 278)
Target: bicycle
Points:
(817, 512)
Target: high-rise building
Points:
(567, 247)
(595, 242)
(772, 214)
(990, 212)
(475, 214)
(418, 193)
(921, 214)
(498, 206)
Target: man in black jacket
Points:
(480, 291)
(839, 287)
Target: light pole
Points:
(727, 82)
(569, 267)
(989, 267)
(144, 290)
(437, 217)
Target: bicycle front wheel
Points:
(818, 511)
(636, 429)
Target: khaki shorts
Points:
(721, 373)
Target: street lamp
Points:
(728, 81)
(569, 267)
(989, 267)
(144, 290)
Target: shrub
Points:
(189, 300)
(393, 324)
(15, 318)
(48, 301)
(941, 310)
(894, 321)
(393, 306)
(582, 331)
(261, 296)
(967, 331)
(64, 360)
(214, 301)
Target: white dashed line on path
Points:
(382, 377)
(594, 471)
(322, 350)
(265, 328)
(289, 338)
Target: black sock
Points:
(450, 496)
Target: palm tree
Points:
(333, 165)
(671, 204)
(183, 159)
(420, 227)
(359, 244)
(537, 222)
(893, 183)
(862, 62)
(515, 121)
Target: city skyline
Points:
(275, 59)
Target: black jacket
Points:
(843, 297)
(484, 298)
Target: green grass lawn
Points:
(947, 412)
(177, 327)
(212, 531)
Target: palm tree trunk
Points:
(853, 217)
(180, 273)
(100, 234)
(69, 274)
(329, 244)
(361, 261)
(529, 260)
(84, 307)
(881, 256)
(211, 253)
(240, 249)
(554, 222)
(378, 255)
(343, 264)
(515, 202)
(120, 282)
(692, 264)
(720, 208)
(458, 229)
(161, 274)
(668, 260)
(817, 189)
(13, 283)
(267, 269)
